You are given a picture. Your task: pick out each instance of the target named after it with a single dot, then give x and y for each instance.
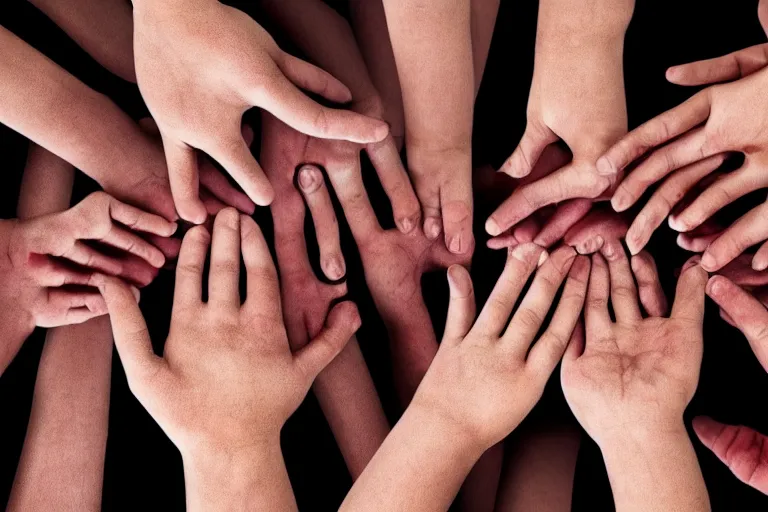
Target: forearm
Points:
(432, 44)
(55, 110)
(656, 471)
(420, 466)
(575, 19)
(62, 461)
(484, 14)
(479, 491)
(370, 26)
(103, 28)
(232, 478)
(46, 186)
(352, 407)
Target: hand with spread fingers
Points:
(741, 448)
(484, 380)
(685, 145)
(200, 66)
(629, 381)
(227, 380)
(577, 96)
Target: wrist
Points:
(579, 22)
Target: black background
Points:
(143, 469)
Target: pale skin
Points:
(227, 380)
(482, 383)
(345, 389)
(629, 381)
(199, 102)
(740, 448)
(687, 144)
(62, 461)
(58, 112)
(438, 101)
(577, 96)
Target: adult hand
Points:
(732, 121)
(741, 448)
(577, 96)
(200, 66)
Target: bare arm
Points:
(103, 28)
(484, 13)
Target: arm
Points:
(104, 29)
(62, 461)
(484, 14)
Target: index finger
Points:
(263, 288)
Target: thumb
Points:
(461, 308)
(535, 140)
(130, 332)
(342, 322)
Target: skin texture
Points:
(344, 389)
(62, 461)
(199, 102)
(438, 100)
(577, 96)
(58, 112)
(482, 383)
(227, 380)
(629, 381)
(687, 143)
(740, 448)
(103, 29)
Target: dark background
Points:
(143, 469)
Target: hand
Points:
(199, 102)
(633, 376)
(733, 121)
(227, 379)
(577, 96)
(742, 449)
(485, 379)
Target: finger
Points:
(596, 316)
(655, 132)
(224, 275)
(394, 180)
(740, 271)
(530, 315)
(720, 69)
(686, 150)
(212, 204)
(134, 244)
(521, 262)
(697, 240)
(590, 233)
(565, 217)
(689, 296)
(169, 246)
(649, 288)
(49, 273)
(220, 187)
(139, 220)
(749, 315)
(137, 271)
(235, 156)
(623, 290)
(549, 349)
(183, 177)
(533, 143)
(740, 448)
(505, 241)
(189, 268)
(461, 308)
(312, 78)
(575, 346)
(312, 184)
(131, 336)
(525, 231)
(718, 195)
(429, 198)
(263, 287)
(347, 181)
(343, 321)
(89, 257)
(669, 194)
(749, 230)
(456, 207)
(77, 302)
(298, 111)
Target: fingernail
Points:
(759, 264)
(524, 252)
(455, 245)
(459, 285)
(406, 225)
(691, 263)
(136, 293)
(336, 268)
(432, 228)
(542, 258)
(609, 250)
(677, 224)
(307, 179)
(620, 201)
(714, 286)
(708, 262)
(492, 228)
(605, 167)
(381, 132)
(671, 73)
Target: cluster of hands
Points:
(235, 367)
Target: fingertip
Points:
(672, 74)
(345, 314)
(335, 268)
(716, 286)
(605, 167)
(492, 227)
(459, 281)
(706, 428)
(432, 228)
